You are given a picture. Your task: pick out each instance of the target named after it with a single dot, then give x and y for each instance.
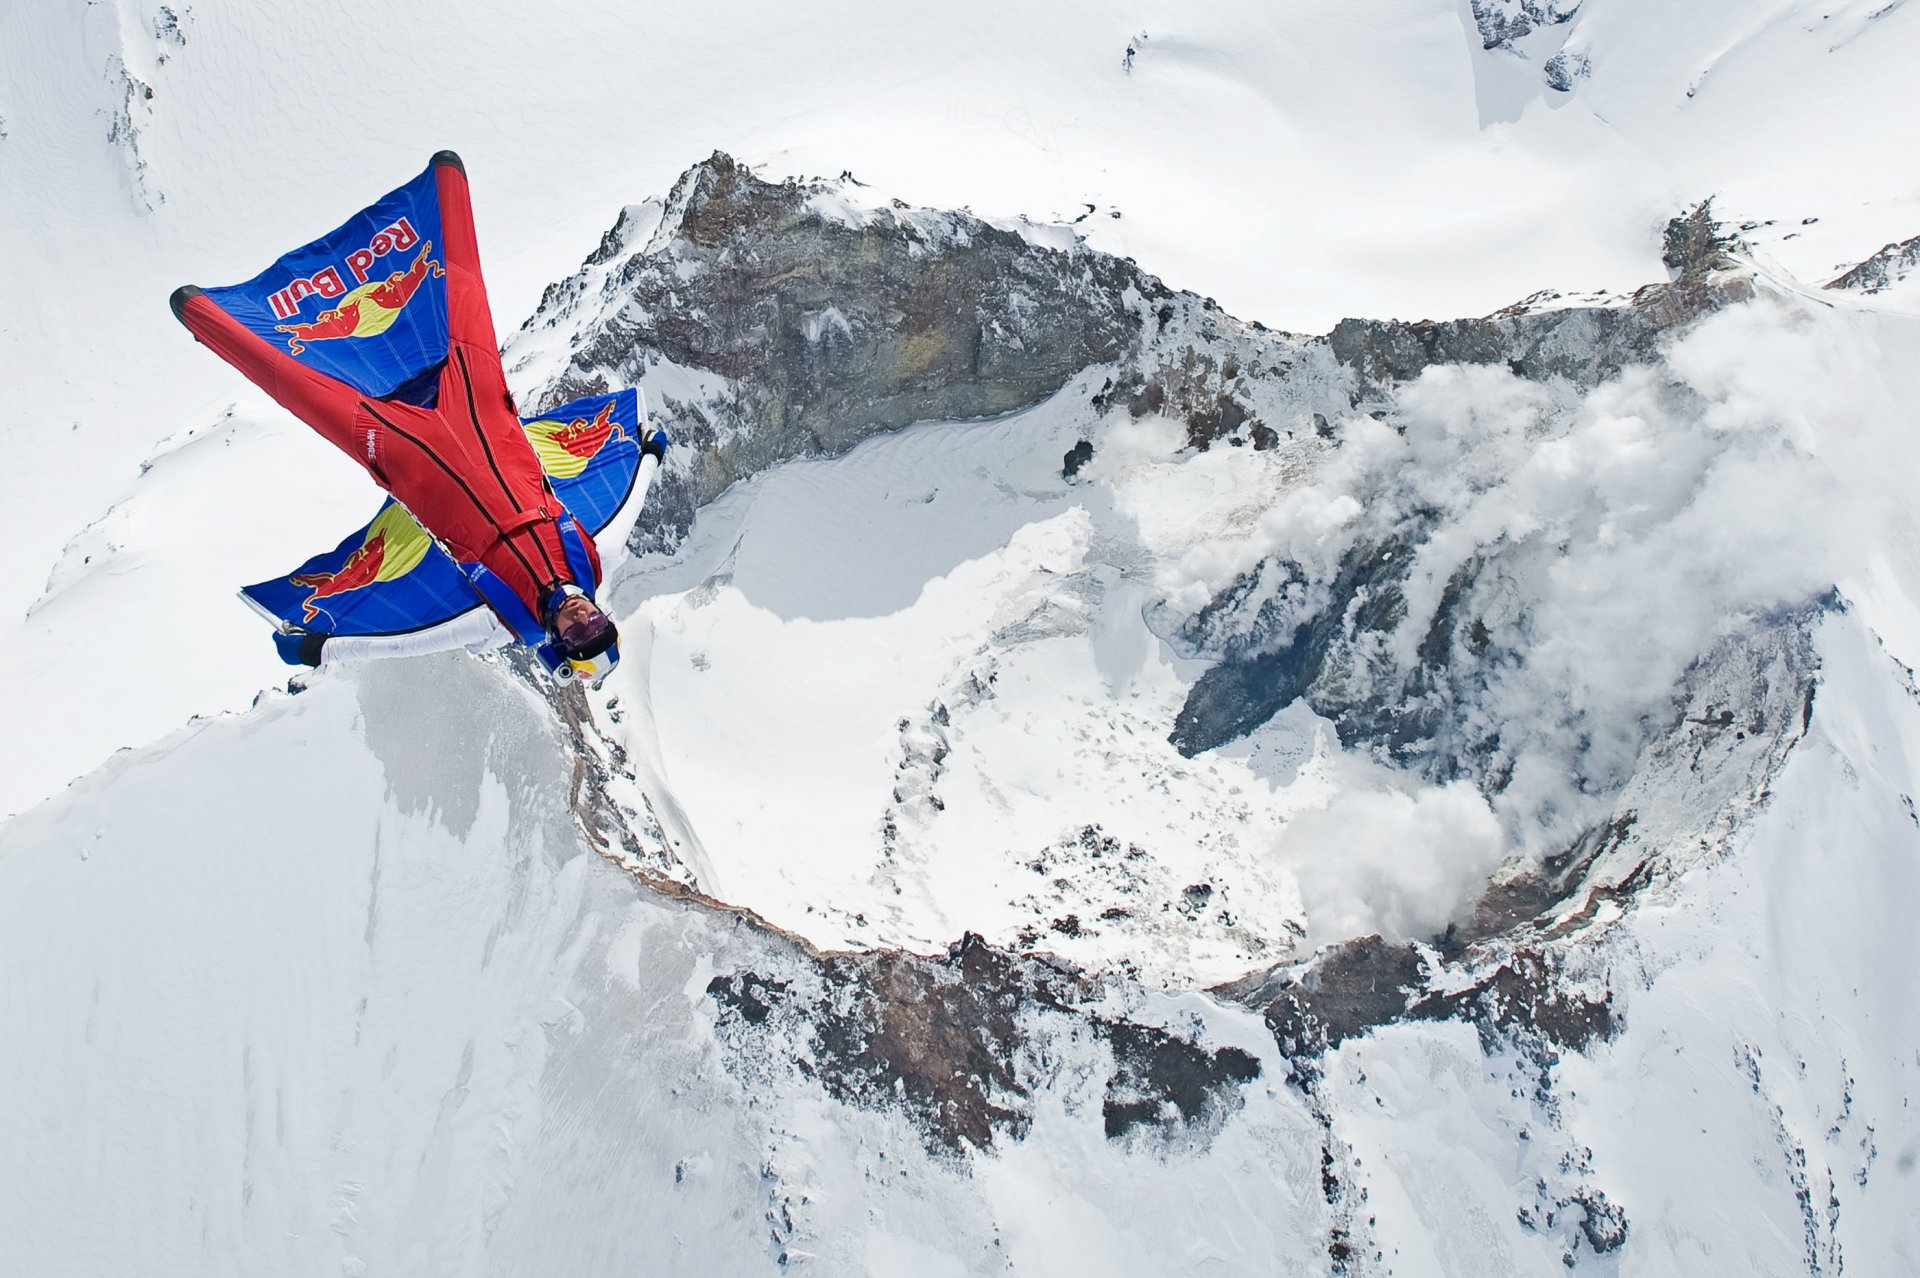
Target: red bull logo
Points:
(366, 311)
(394, 544)
(565, 448)
(397, 238)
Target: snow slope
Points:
(338, 987)
(878, 724)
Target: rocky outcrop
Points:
(1541, 339)
(1501, 22)
(794, 323)
(780, 320)
(949, 1040)
(1883, 270)
(1269, 656)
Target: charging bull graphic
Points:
(391, 547)
(565, 448)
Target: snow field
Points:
(910, 682)
(426, 1030)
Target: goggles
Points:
(586, 638)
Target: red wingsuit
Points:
(464, 468)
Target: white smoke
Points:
(1621, 534)
(1391, 858)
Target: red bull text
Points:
(328, 282)
(369, 310)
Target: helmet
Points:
(593, 669)
(589, 648)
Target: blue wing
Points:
(365, 303)
(390, 578)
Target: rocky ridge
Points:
(1883, 270)
(779, 320)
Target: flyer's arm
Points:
(612, 540)
(477, 630)
(320, 401)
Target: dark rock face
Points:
(1349, 989)
(815, 326)
(1695, 245)
(1883, 270)
(943, 1039)
(783, 323)
(1077, 456)
(1266, 662)
(1564, 69)
(1501, 22)
(1193, 370)
(1346, 991)
(1603, 1224)
(1584, 345)
(1508, 967)
(1252, 685)
(1156, 1072)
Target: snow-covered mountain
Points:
(1130, 757)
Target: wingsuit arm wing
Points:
(477, 630)
(324, 403)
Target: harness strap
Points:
(506, 605)
(577, 557)
(525, 519)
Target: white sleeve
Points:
(476, 630)
(612, 540)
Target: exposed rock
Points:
(1576, 1216)
(1883, 270)
(811, 325)
(1352, 988)
(1280, 633)
(1585, 345)
(1501, 22)
(777, 321)
(1256, 682)
(1523, 995)
(1156, 1072)
(1345, 990)
(1695, 244)
(1564, 69)
(1077, 456)
(1504, 965)
(1603, 1224)
(944, 1038)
